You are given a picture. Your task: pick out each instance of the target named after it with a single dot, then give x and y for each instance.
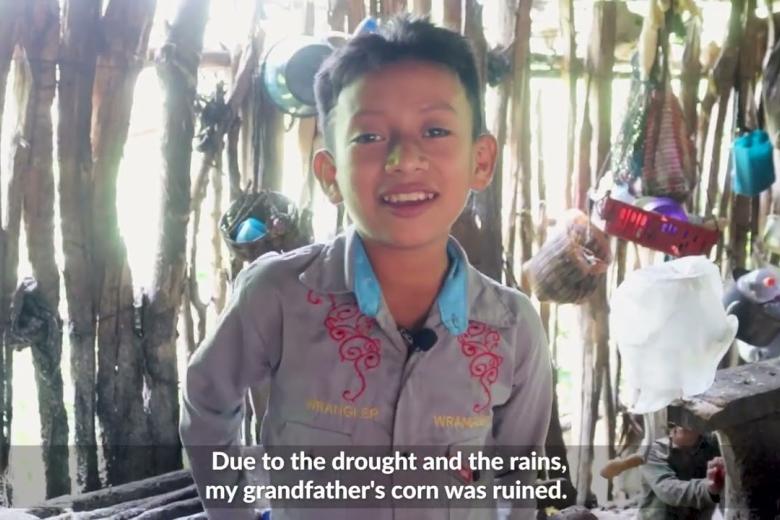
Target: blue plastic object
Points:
(753, 170)
(367, 25)
(250, 230)
(266, 515)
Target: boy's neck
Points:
(410, 278)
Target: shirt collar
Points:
(342, 266)
(452, 300)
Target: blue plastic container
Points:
(753, 168)
(250, 230)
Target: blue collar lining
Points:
(452, 299)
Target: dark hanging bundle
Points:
(32, 322)
(212, 112)
(653, 154)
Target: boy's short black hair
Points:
(402, 38)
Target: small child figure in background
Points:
(683, 477)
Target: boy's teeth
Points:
(408, 197)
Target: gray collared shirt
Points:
(341, 377)
(674, 483)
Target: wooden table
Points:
(743, 408)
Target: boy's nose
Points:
(405, 157)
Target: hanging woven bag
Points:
(569, 265)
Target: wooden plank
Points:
(172, 511)
(114, 495)
(743, 408)
(738, 395)
(134, 508)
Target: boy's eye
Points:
(437, 132)
(367, 138)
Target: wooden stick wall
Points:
(109, 326)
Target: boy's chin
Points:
(410, 239)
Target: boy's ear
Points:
(485, 151)
(324, 167)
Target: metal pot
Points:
(288, 73)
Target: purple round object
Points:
(666, 206)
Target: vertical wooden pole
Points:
(217, 261)
(40, 41)
(453, 14)
(389, 8)
(702, 132)
(723, 78)
(541, 188)
(689, 92)
(478, 227)
(594, 312)
(248, 134)
(748, 69)
(520, 146)
(10, 14)
(177, 66)
(691, 76)
(421, 7)
(78, 55)
(270, 143)
(337, 14)
(725, 74)
(307, 127)
(554, 444)
(125, 25)
(356, 12)
(570, 75)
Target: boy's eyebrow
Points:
(439, 105)
(367, 112)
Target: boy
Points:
(682, 478)
(385, 336)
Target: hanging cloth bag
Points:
(653, 154)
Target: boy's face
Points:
(403, 158)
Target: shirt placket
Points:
(405, 411)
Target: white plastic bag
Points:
(671, 329)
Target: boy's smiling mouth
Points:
(408, 201)
(408, 197)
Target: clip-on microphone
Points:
(422, 340)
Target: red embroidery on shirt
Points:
(478, 343)
(351, 329)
